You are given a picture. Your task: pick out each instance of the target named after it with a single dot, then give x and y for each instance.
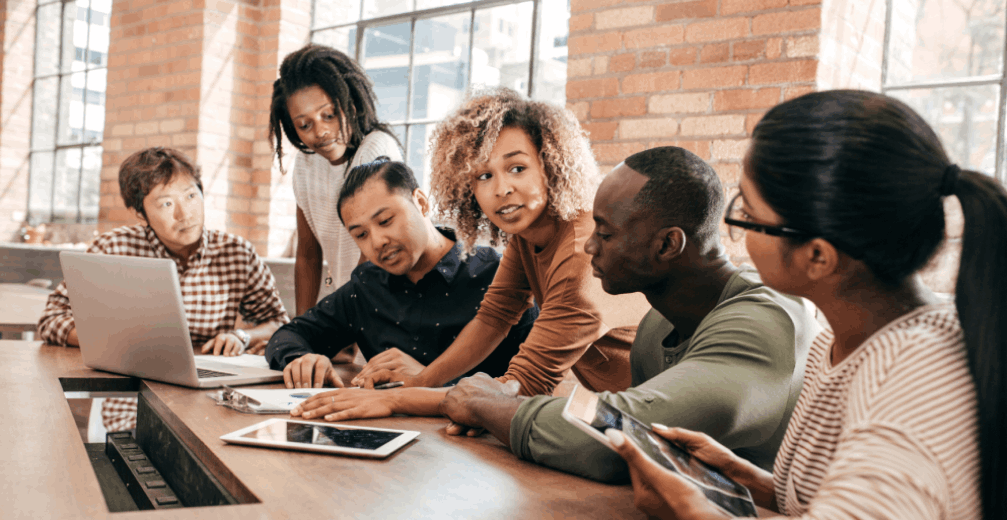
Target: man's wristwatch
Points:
(244, 337)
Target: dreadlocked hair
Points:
(347, 86)
(465, 139)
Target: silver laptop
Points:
(130, 320)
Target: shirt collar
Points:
(162, 251)
(451, 262)
(447, 267)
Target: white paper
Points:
(281, 399)
(244, 360)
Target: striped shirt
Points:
(222, 279)
(890, 432)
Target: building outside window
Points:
(423, 55)
(68, 113)
(945, 58)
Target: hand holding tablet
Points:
(594, 416)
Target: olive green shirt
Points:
(737, 379)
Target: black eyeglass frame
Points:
(765, 229)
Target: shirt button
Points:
(649, 399)
(669, 359)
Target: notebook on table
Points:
(130, 320)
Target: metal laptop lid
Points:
(129, 315)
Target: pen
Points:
(386, 386)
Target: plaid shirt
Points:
(220, 280)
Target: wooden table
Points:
(47, 473)
(20, 307)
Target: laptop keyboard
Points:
(203, 373)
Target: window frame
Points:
(51, 217)
(1000, 169)
(409, 123)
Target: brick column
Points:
(154, 74)
(285, 29)
(17, 31)
(696, 74)
(198, 76)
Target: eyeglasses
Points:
(737, 224)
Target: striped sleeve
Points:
(890, 432)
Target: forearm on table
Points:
(474, 344)
(422, 402)
(71, 338)
(495, 415)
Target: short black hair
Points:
(150, 168)
(682, 190)
(397, 176)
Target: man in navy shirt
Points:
(408, 303)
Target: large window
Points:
(422, 55)
(68, 113)
(945, 58)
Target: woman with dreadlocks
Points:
(324, 104)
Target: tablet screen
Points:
(726, 493)
(322, 435)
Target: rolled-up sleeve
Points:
(733, 383)
(566, 325)
(56, 321)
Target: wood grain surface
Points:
(47, 473)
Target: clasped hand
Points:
(388, 366)
(461, 401)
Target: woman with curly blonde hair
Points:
(521, 172)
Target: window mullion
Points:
(535, 13)
(998, 168)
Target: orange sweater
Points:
(560, 279)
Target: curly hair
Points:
(465, 139)
(343, 81)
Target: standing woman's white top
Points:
(316, 189)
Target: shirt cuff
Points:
(522, 423)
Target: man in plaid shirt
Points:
(220, 274)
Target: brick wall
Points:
(282, 32)
(700, 74)
(198, 76)
(17, 32)
(154, 64)
(697, 74)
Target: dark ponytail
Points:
(867, 173)
(346, 84)
(981, 298)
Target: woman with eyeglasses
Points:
(902, 410)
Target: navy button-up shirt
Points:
(379, 311)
